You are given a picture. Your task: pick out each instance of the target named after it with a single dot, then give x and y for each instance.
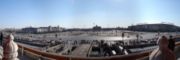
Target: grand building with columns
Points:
(42, 29)
(154, 27)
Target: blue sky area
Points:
(87, 13)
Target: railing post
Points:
(22, 51)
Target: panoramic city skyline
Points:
(87, 13)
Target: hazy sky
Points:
(87, 13)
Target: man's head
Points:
(170, 37)
(9, 38)
(163, 42)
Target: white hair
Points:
(11, 37)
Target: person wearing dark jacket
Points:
(171, 44)
(1, 38)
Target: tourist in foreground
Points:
(10, 48)
(163, 52)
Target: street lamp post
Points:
(137, 36)
(123, 34)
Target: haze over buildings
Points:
(86, 13)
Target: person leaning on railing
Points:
(1, 38)
(171, 45)
(163, 52)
